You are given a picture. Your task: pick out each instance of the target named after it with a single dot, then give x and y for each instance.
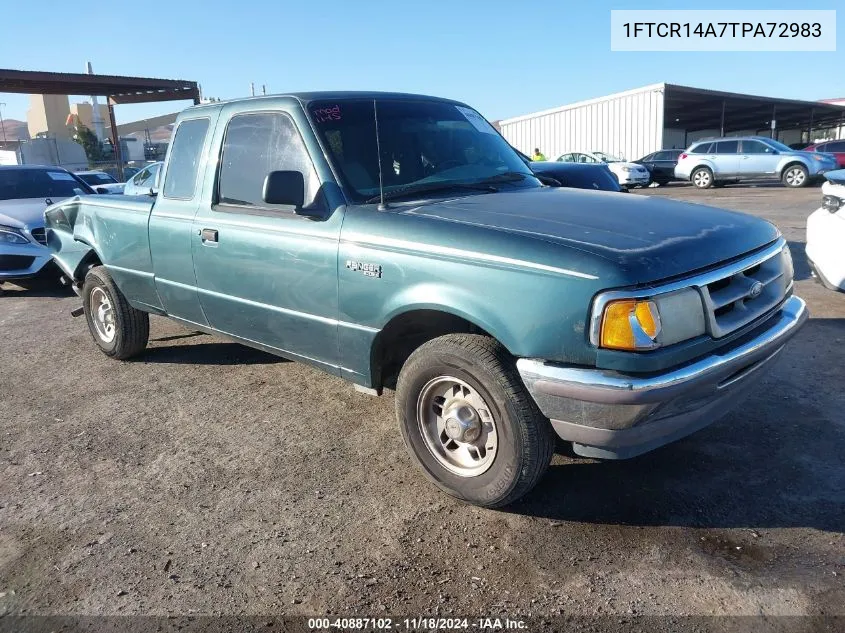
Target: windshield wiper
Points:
(507, 176)
(410, 190)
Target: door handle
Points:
(209, 235)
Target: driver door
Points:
(264, 272)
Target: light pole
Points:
(3, 125)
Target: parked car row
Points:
(716, 162)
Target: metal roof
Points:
(699, 109)
(118, 89)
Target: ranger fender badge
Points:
(370, 270)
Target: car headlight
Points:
(639, 324)
(625, 169)
(9, 235)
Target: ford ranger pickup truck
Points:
(399, 242)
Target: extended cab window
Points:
(181, 178)
(254, 145)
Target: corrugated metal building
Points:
(637, 122)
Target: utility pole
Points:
(3, 125)
(252, 88)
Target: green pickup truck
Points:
(399, 242)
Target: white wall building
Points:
(637, 122)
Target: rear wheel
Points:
(118, 329)
(795, 176)
(468, 421)
(702, 178)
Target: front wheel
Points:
(469, 422)
(795, 176)
(118, 329)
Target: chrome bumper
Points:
(615, 416)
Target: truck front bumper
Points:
(609, 415)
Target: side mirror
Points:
(153, 192)
(284, 187)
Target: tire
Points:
(702, 178)
(118, 329)
(480, 376)
(795, 176)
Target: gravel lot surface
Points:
(208, 478)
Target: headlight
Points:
(625, 169)
(9, 235)
(646, 323)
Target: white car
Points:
(144, 181)
(100, 181)
(826, 234)
(628, 174)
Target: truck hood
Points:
(649, 238)
(23, 213)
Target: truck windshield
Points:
(421, 145)
(19, 184)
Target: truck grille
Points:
(748, 292)
(40, 235)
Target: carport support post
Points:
(773, 126)
(118, 158)
(722, 125)
(810, 130)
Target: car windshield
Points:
(607, 158)
(423, 146)
(97, 178)
(18, 184)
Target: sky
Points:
(505, 58)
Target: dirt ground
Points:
(208, 478)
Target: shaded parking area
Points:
(206, 477)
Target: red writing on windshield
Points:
(331, 113)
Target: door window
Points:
(254, 145)
(835, 146)
(756, 147)
(727, 147)
(664, 156)
(704, 148)
(138, 178)
(181, 178)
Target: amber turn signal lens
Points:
(630, 325)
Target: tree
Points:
(89, 141)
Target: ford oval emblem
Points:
(756, 290)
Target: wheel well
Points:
(405, 333)
(88, 262)
(792, 164)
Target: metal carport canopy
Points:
(697, 109)
(118, 89)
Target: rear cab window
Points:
(180, 181)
